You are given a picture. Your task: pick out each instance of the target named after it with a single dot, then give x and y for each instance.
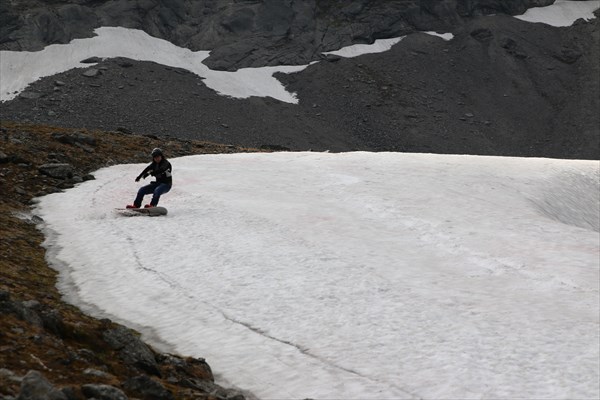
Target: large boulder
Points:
(131, 349)
(57, 170)
(35, 387)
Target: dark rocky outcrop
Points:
(57, 170)
(243, 33)
(501, 87)
(131, 349)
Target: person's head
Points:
(157, 154)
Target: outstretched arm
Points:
(144, 173)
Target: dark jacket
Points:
(161, 171)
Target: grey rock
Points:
(7, 374)
(85, 148)
(332, 57)
(568, 56)
(32, 304)
(147, 388)
(85, 139)
(30, 95)
(131, 349)
(103, 392)
(21, 311)
(124, 130)
(124, 63)
(213, 389)
(91, 60)
(87, 355)
(74, 139)
(16, 189)
(53, 322)
(65, 185)
(168, 359)
(482, 34)
(90, 73)
(96, 372)
(35, 387)
(70, 393)
(58, 170)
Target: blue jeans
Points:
(157, 189)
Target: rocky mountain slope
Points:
(49, 349)
(243, 33)
(500, 87)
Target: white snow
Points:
(19, 69)
(354, 275)
(561, 13)
(378, 46)
(446, 36)
(355, 50)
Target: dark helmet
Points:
(157, 152)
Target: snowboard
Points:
(151, 211)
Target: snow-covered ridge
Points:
(19, 69)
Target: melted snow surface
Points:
(354, 276)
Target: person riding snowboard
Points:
(160, 168)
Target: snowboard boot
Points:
(149, 206)
(131, 206)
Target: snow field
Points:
(353, 275)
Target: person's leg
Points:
(144, 190)
(159, 191)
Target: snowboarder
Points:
(160, 168)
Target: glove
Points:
(137, 179)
